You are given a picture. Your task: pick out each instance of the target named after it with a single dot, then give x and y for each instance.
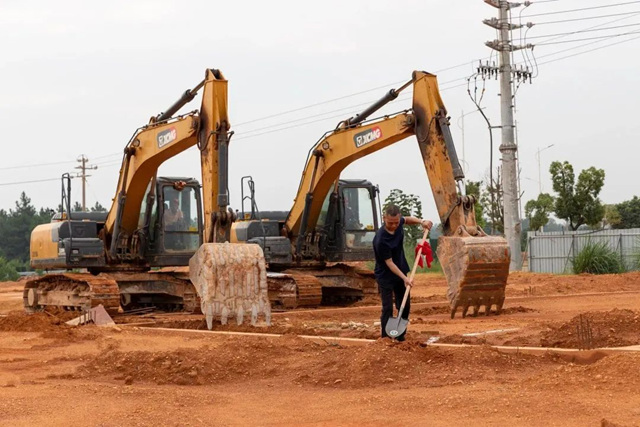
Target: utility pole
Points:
(83, 167)
(508, 147)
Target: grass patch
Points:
(597, 258)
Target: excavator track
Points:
(343, 283)
(71, 291)
(291, 290)
(333, 285)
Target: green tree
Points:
(4, 220)
(473, 189)
(45, 215)
(538, 210)
(8, 270)
(77, 207)
(409, 205)
(98, 208)
(612, 216)
(16, 227)
(577, 202)
(629, 212)
(20, 222)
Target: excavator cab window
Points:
(359, 217)
(180, 219)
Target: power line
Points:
(586, 18)
(242, 136)
(324, 113)
(579, 47)
(37, 165)
(316, 104)
(104, 162)
(589, 38)
(581, 9)
(568, 49)
(584, 31)
(57, 163)
(109, 164)
(590, 50)
(306, 107)
(29, 182)
(535, 64)
(108, 155)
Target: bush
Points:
(8, 270)
(597, 258)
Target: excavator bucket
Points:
(231, 280)
(476, 268)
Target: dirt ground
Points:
(136, 374)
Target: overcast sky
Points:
(80, 77)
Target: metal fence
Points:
(553, 251)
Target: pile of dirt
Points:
(307, 363)
(615, 328)
(553, 284)
(594, 371)
(19, 321)
(50, 325)
(228, 361)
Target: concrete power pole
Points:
(83, 167)
(508, 147)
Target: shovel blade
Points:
(396, 326)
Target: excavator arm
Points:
(476, 265)
(427, 120)
(164, 137)
(334, 153)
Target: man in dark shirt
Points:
(391, 265)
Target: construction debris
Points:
(96, 315)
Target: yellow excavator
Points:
(136, 255)
(335, 220)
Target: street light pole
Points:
(539, 168)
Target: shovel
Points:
(396, 326)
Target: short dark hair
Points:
(391, 210)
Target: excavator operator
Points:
(391, 265)
(173, 216)
(174, 223)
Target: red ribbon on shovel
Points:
(426, 255)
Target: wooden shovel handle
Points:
(418, 255)
(413, 273)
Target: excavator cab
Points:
(172, 221)
(348, 221)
